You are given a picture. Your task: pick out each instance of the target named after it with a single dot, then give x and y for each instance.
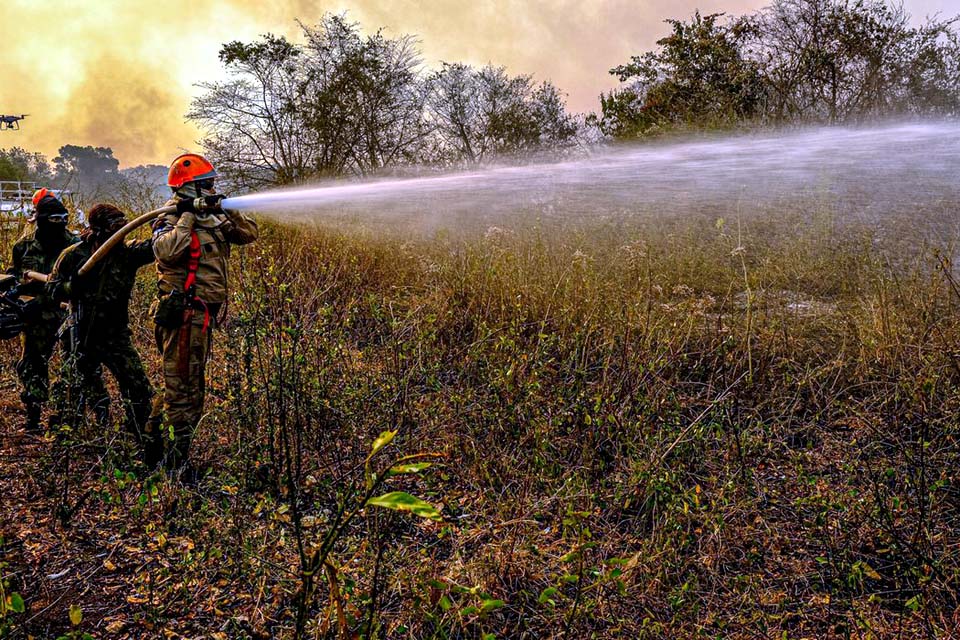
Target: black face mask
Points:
(50, 233)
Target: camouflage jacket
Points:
(104, 300)
(30, 255)
(216, 232)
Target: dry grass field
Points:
(691, 427)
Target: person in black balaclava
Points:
(38, 250)
(101, 301)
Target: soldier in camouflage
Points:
(37, 250)
(101, 299)
(192, 248)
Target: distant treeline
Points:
(794, 62)
(87, 173)
(343, 103)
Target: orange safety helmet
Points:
(40, 194)
(188, 168)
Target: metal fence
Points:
(16, 198)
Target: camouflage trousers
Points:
(177, 412)
(81, 381)
(37, 342)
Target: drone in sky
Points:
(11, 122)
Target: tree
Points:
(88, 170)
(254, 127)
(931, 82)
(21, 165)
(345, 103)
(479, 113)
(699, 75)
(796, 61)
(363, 96)
(834, 61)
(342, 103)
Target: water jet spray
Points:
(869, 173)
(866, 173)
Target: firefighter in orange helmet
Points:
(192, 247)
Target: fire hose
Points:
(108, 245)
(206, 204)
(15, 319)
(120, 235)
(200, 204)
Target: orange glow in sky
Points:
(120, 73)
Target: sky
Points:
(121, 73)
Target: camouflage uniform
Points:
(44, 315)
(103, 332)
(185, 349)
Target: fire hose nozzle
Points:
(208, 203)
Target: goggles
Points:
(57, 218)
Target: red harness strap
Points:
(190, 292)
(193, 263)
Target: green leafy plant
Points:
(320, 559)
(75, 614)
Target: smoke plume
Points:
(121, 74)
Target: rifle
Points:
(68, 329)
(12, 308)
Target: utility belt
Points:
(170, 310)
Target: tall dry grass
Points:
(657, 428)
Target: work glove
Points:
(187, 205)
(213, 202)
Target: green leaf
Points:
(76, 615)
(409, 468)
(445, 603)
(401, 501)
(469, 611)
(546, 597)
(16, 603)
(385, 438)
(914, 603)
(491, 605)
(489, 636)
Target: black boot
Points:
(178, 452)
(32, 423)
(151, 444)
